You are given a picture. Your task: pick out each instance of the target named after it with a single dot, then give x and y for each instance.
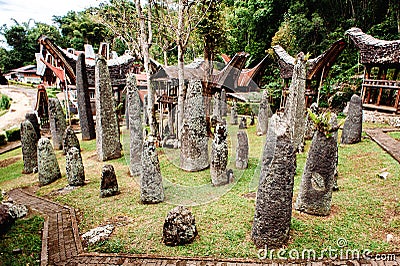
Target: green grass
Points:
(24, 234)
(364, 210)
(395, 135)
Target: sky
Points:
(39, 10)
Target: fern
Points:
(322, 123)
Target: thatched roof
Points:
(374, 51)
(316, 66)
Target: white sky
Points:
(39, 10)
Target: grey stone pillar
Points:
(31, 117)
(263, 113)
(70, 140)
(219, 157)
(109, 184)
(275, 191)
(217, 106)
(74, 167)
(224, 107)
(135, 126)
(151, 185)
(234, 115)
(48, 167)
(295, 109)
(29, 147)
(352, 127)
(194, 139)
(145, 114)
(84, 108)
(315, 194)
(57, 123)
(242, 150)
(107, 135)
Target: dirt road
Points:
(23, 101)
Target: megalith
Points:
(275, 191)
(352, 127)
(32, 117)
(107, 136)
(242, 150)
(74, 167)
(84, 108)
(263, 113)
(179, 227)
(194, 139)
(57, 123)
(234, 114)
(29, 147)
(70, 140)
(224, 107)
(315, 194)
(151, 185)
(48, 167)
(109, 183)
(135, 126)
(219, 156)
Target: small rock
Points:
(17, 251)
(383, 175)
(179, 227)
(389, 238)
(97, 234)
(16, 211)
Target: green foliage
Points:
(52, 92)
(3, 138)
(247, 108)
(323, 123)
(5, 102)
(25, 234)
(13, 134)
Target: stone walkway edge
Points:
(61, 244)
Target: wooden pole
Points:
(320, 85)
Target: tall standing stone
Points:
(219, 156)
(107, 135)
(74, 167)
(109, 183)
(84, 108)
(224, 107)
(57, 123)
(243, 123)
(242, 150)
(234, 114)
(295, 109)
(275, 191)
(48, 167)
(29, 147)
(194, 139)
(217, 106)
(135, 126)
(145, 114)
(151, 185)
(70, 140)
(315, 194)
(352, 127)
(32, 117)
(263, 112)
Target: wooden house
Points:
(381, 60)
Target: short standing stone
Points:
(151, 185)
(109, 184)
(219, 157)
(224, 107)
(234, 115)
(32, 117)
(107, 134)
(70, 140)
(217, 106)
(243, 123)
(179, 227)
(29, 147)
(135, 126)
(74, 167)
(315, 194)
(352, 128)
(57, 123)
(263, 112)
(275, 191)
(242, 150)
(48, 167)
(84, 108)
(194, 138)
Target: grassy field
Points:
(364, 210)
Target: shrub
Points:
(3, 138)
(13, 134)
(247, 108)
(5, 102)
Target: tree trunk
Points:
(182, 89)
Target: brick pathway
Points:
(61, 244)
(389, 144)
